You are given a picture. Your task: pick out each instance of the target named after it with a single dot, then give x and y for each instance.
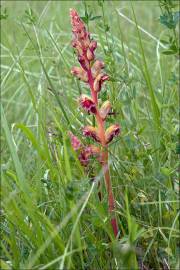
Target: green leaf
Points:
(84, 19)
(169, 52)
(4, 14)
(30, 16)
(95, 18)
(100, 3)
(166, 42)
(170, 20)
(4, 265)
(14, 155)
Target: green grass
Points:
(51, 217)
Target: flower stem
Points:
(105, 165)
(111, 201)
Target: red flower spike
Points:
(100, 79)
(79, 73)
(75, 142)
(92, 132)
(87, 103)
(105, 109)
(78, 27)
(112, 132)
(85, 48)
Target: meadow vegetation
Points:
(51, 216)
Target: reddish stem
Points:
(105, 165)
(111, 200)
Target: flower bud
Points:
(88, 151)
(84, 157)
(80, 73)
(86, 41)
(94, 149)
(105, 109)
(90, 55)
(96, 68)
(78, 26)
(112, 132)
(75, 142)
(92, 132)
(87, 103)
(77, 45)
(93, 45)
(83, 62)
(99, 81)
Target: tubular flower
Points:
(94, 149)
(87, 103)
(96, 68)
(90, 54)
(105, 109)
(93, 45)
(84, 62)
(92, 132)
(84, 157)
(99, 81)
(87, 152)
(112, 132)
(79, 73)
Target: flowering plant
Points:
(91, 72)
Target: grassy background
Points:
(51, 217)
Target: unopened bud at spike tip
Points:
(81, 40)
